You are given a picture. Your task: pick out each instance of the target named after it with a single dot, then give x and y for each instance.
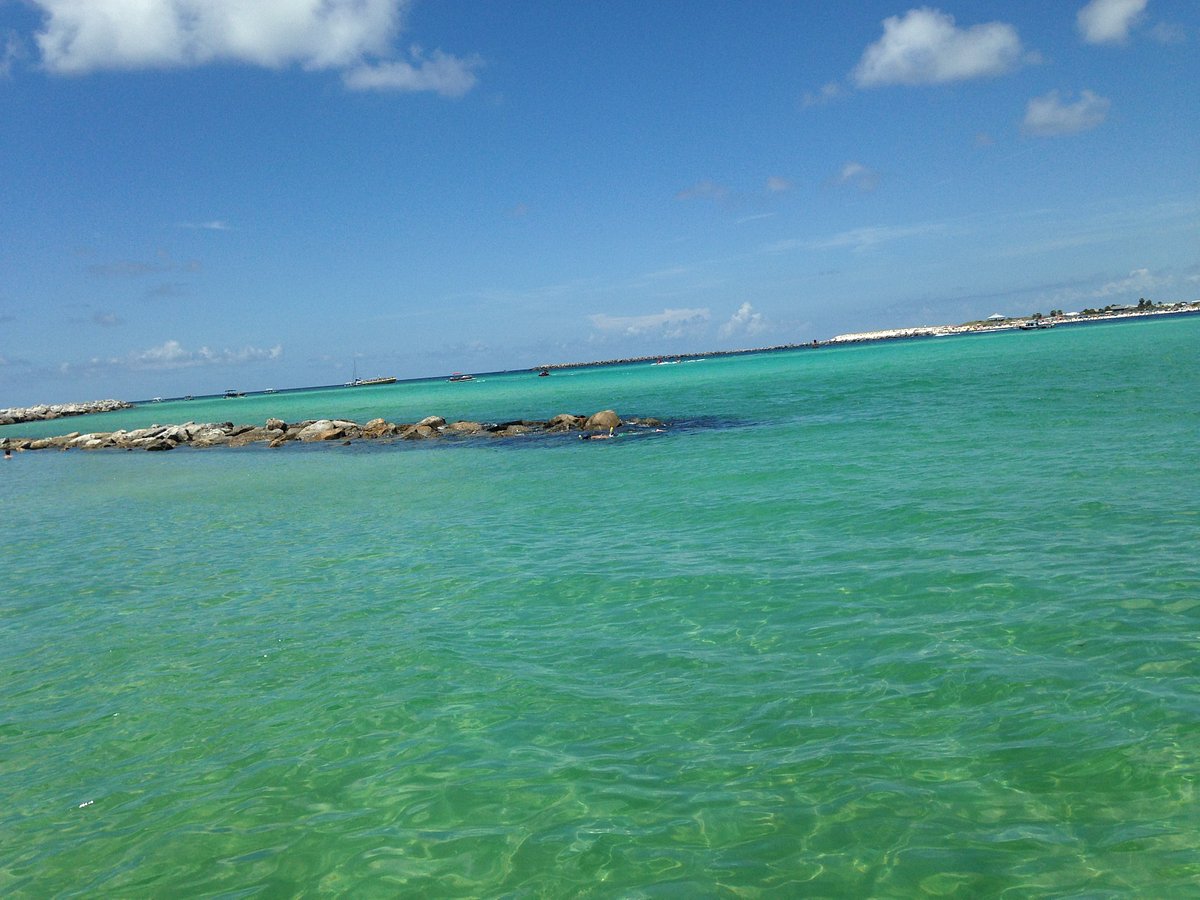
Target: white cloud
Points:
(1138, 282)
(827, 94)
(754, 218)
(107, 319)
(84, 35)
(1168, 33)
(744, 321)
(80, 36)
(1108, 21)
(778, 185)
(10, 52)
(706, 189)
(668, 323)
(926, 47)
(858, 175)
(441, 73)
(1049, 115)
(856, 239)
(129, 268)
(173, 355)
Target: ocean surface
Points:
(890, 620)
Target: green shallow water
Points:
(895, 620)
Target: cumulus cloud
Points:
(1050, 115)
(173, 355)
(1108, 21)
(1139, 281)
(80, 36)
(668, 323)
(744, 321)
(924, 46)
(134, 34)
(441, 73)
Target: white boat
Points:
(459, 376)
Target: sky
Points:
(198, 195)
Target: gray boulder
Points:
(603, 420)
(321, 430)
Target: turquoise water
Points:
(892, 620)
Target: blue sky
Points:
(204, 194)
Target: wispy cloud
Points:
(925, 46)
(857, 175)
(1109, 21)
(668, 323)
(1051, 116)
(173, 355)
(672, 272)
(704, 190)
(129, 268)
(856, 239)
(211, 225)
(441, 73)
(168, 290)
(828, 93)
(11, 50)
(107, 319)
(777, 184)
(1167, 33)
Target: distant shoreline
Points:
(42, 412)
(1019, 323)
(982, 326)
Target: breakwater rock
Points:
(276, 432)
(59, 411)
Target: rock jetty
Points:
(276, 432)
(59, 411)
